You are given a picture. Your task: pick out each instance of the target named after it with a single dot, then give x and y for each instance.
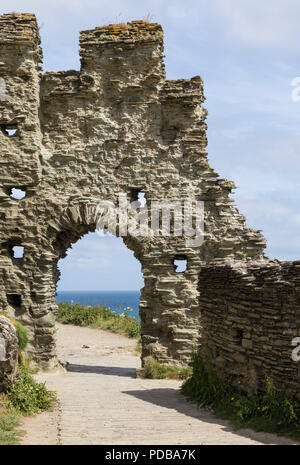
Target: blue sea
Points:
(115, 300)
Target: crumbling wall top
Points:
(134, 31)
(19, 28)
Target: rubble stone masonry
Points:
(71, 139)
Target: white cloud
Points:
(296, 219)
(96, 262)
(272, 23)
(278, 218)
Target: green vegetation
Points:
(99, 317)
(21, 332)
(22, 335)
(154, 370)
(9, 421)
(26, 396)
(273, 411)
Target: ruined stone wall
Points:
(250, 316)
(117, 125)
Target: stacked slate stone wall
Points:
(250, 317)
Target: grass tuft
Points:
(22, 335)
(154, 370)
(9, 421)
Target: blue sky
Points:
(248, 53)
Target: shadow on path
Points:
(101, 370)
(173, 399)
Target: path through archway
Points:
(100, 270)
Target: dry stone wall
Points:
(250, 317)
(82, 137)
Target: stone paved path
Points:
(101, 401)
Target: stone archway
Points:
(70, 139)
(163, 289)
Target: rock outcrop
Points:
(8, 353)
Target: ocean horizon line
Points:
(118, 300)
(100, 290)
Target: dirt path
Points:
(101, 401)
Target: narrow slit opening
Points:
(239, 336)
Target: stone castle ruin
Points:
(72, 139)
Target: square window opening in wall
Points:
(17, 194)
(180, 264)
(15, 300)
(138, 196)
(9, 130)
(17, 251)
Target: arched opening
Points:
(162, 308)
(100, 270)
